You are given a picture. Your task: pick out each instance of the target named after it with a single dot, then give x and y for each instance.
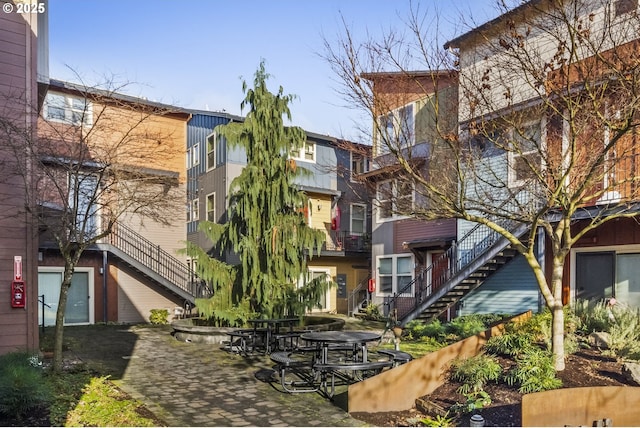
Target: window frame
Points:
(513, 179)
(211, 143)
(299, 154)
(361, 160)
(68, 109)
(392, 200)
(195, 210)
(212, 209)
(195, 155)
(394, 123)
(364, 219)
(394, 275)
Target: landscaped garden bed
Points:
(521, 356)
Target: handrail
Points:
(156, 259)
(352, 299)
(474, 244)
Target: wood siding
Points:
(511, 290)
(136, 299)
(18, 95)
(416, 230)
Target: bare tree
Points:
(98, 158)
(547, 110)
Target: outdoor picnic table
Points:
(271, 327)
(355, 338)
(326, 368)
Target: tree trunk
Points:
(557, 336)
(557, 314)
(59, 327)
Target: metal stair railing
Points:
(156, 259)
(353, 301)
(473, 245)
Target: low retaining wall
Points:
(582, 407)
(397, 389)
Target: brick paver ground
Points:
(192, 384)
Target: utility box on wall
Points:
(341, 279)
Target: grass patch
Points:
(102, 403)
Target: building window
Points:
(395, 272)
(83, 201)
(67, 109)
(525, 159)
(358, 219)
(306, 153)
(211, 207)
(359, 164)
(211, 151)
(394, 199)
(195, 154)
(195, 210)
(397, 129)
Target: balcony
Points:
(345, 242)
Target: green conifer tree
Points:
(266, 225)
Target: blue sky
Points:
(195, 53)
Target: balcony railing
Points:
(348, 242)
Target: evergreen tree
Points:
(266, 225)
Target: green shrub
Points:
(624, 330)
(534, 372)
(474, 400)
(437, 421)
(159, 316)
(466, 326)
(538, 327)
(372, 312)
(417, 329)
(509, 344)
(22, 387)
(475, 372)
(592, 316)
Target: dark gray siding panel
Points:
(513, 289)
(199, 127)
(323, 172)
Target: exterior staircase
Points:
(469, 262)
(154, 263)
(358, 299)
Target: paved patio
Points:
(191, 384)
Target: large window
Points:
(306, 153)
(211, 207)
(525, 155)
(83, 194)
(359, 164)
(358, 219)
(195, 210)
(394, 199)
(195, 154)
(211, 151)
(397, 129)
(395, 272)
(67, 109)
